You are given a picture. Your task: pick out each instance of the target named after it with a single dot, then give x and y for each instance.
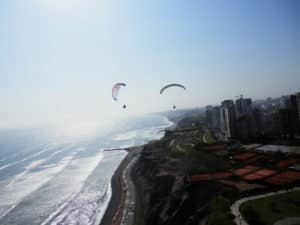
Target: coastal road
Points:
(128, 217)
(235, 207)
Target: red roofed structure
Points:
(284, 178)
(245, 170)
(244, 156)
(211, 176)
(286, 162)
(261, 174)
(215, 147)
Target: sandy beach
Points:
(114, 211)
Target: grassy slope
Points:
(220, 209)
(272, 209)
(210, 140)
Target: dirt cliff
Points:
(164, 196)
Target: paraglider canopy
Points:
(171, 85)
(115, 90)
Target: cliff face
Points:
(163, 195)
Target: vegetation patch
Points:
(220, 212)
(271, 209)
(208, 138)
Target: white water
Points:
(52, 182)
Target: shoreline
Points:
(114, 211)
(146, 183)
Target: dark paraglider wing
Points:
(171, 85)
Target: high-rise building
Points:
(245, 123)
(288, 122)
(222, 120)
(209, 115)
(298, 105)
(270, 123)
(295, 110)
(258, 121)
(228, 118)
(216, 117)
(243, 106)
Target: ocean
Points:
(48, 179)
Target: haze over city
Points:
(59, 59)
(149, 112)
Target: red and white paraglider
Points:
(115, 91)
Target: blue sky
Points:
(59, 58)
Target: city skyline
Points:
(59, 59)
(249, 120)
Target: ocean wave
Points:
(82, 208)
(84, 200)
(28, 157)
(12, 195)
(70, 187)
(39, 162)
(126, 136)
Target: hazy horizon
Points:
(59, 59)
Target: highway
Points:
(128, 217)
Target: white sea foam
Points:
(28, 157)
(81, 204)
(56, 212)
(74, 190)
(151, 133)
(126, 136)
(17, 177)
(12, 195)
(83, 207)
(48, 166)
(23, 151)
(39, 162)
(102, 209)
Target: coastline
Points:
(114, 210)
(158, 186)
